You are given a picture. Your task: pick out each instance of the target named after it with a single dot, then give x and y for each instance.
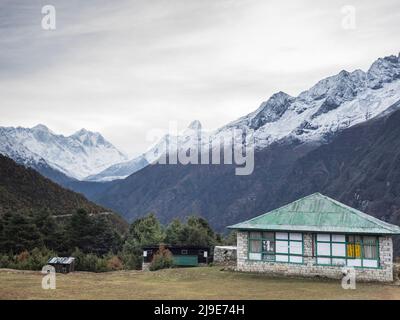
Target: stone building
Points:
(317, 236)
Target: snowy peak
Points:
(89, 138)
(79, 155)
(195, 125)
(41, 128)
(384, 70)
(331, 105)
(271, 110)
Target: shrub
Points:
(22, 257)
(162, 259)
(5, 261)
(131, 257)
(114, 263)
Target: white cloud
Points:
(124, 67)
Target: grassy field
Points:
(193, 283)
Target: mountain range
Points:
(77, 156)
(338, 137)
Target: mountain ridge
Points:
(78, 155)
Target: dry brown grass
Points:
(193, 283)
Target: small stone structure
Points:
(225, 255)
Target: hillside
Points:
(23, 189)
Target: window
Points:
(370, 248)
(350, 250)
(330, 249)
(279, 246)
(184, 251)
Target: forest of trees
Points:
(28, 241)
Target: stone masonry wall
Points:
(225, 255)
(310, 269)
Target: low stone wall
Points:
(310, 269)
(225, 255)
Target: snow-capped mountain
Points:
(79, 155)
(333, 104)
(190, 137)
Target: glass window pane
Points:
(268, 257)
(282, 235)
(296, 247)
(268, 246)
(370, 251)
(255, 246)
(268, 235)
(281, 258)
(338, 238)
(354, 262)
(369, 240)
(255, 256)
(324, 260)
(255, 235)
(338, 262)
(339, 249)
(282, 246)
(370, 263)
(296, 259)
(323, 249)
(323, 237)
(295, 236)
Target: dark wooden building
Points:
(62, 264)
(189, 256)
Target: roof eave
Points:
(315, 229)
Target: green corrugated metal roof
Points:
(319, 213)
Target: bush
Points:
(114, 263)
(162, 259)
(34, 260)
(131, 257)
(5, 261)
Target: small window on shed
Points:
(184, 251)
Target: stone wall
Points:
(225, 255)
(309, 268)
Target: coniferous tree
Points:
(18, 233)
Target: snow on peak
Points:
(195, 125)
(90, 138)
(332, 104)
(384, 70)
(79, 155)
(41, 127)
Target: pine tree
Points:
(19, 233)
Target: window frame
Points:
(347, 257)
(274, 254)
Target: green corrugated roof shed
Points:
(318, 213)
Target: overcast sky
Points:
(123, 67)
